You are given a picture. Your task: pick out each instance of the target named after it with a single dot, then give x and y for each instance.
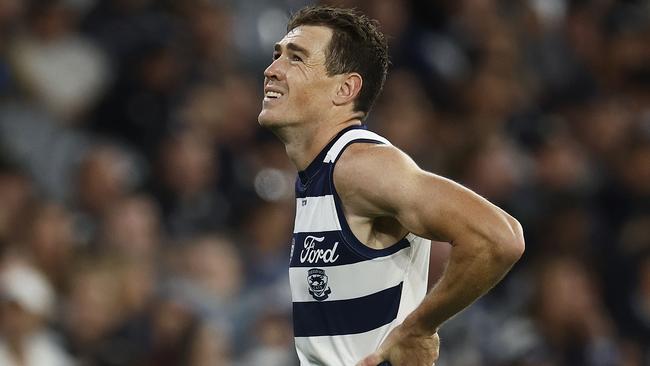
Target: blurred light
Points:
(550, 12)
(273, 184)
(446, 57)
(271, 26)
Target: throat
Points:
(301, 155)
(304, 142)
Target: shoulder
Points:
(364, 160)
(367, 175)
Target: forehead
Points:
(314, 38)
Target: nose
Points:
(274, 70)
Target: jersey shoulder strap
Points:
(355, 135)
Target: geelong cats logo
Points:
(317, 280)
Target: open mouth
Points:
(272, 94)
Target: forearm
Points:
(473, 269)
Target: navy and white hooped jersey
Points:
(347, 297)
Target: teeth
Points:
(272, 94)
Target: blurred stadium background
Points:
(144, 216)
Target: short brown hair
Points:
(357, 45)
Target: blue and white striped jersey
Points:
(347, 297)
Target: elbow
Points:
(508, 245)
(512, 246)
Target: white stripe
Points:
(316, 214)
(343, 350)
(415, 283)
(349, 136)
(350, 281)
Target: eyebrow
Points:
(293, 47)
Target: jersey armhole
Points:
(346, 233)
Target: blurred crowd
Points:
(145, 217)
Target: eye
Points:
(296, 58)
(275, 56)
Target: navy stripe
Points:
(317, 249)
(318, 186)
(339, 317)
(323, 253)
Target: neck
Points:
(305, 141)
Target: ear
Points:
(348, 89)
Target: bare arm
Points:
(485, 240)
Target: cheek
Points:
(305, 100)
(314, 97)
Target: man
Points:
(365, 211)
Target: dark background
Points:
(145, 217)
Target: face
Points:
(297, 89)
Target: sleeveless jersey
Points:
(346, 296)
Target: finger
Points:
(436, 340)
(372, 360)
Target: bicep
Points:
(383, 181)
(438, 208)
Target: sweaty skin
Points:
(385, 194)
